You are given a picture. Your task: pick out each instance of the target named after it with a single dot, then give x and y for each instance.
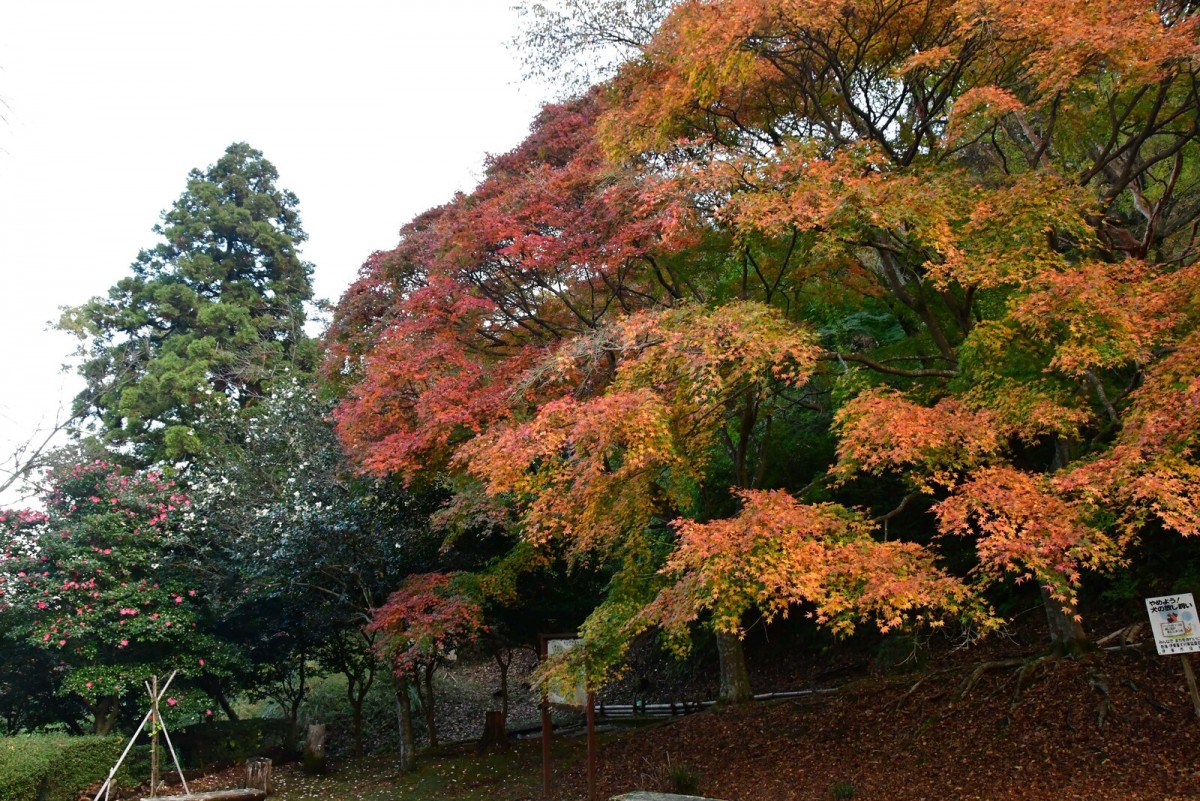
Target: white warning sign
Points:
(1175, 623)
(565, 693)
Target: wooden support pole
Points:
(175, 760)
(591, 745)
(1190, 677)
(154, 724)
(155, 697)
(105, 789)
(546, 728)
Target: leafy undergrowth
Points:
(878, 739)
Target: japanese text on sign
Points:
(1174, 621)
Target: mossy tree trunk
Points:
(426, 692)
(408, 741)
(1067, 636)
(735, 678)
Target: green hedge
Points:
(57, 767)
(227, 741)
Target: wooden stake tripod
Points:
(156, 724)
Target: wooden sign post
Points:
(573, 697)
(1176, 628)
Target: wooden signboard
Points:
(1176, 629)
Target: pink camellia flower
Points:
(171, 702)
(201, 661)
(124, 643)
(178, 599)
(89, 684)
(192, 593)
(208, 712)
(62, 642)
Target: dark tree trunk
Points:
(294, 708)
(1066, 626)
(408, 742)
(211, 685)
(223, 702)
(504, 657)
(735, 679)
(427, 701)
(294, 722)
(105, 712)
(357, 687)
(356, 723)
(1066, 629)
(495, 735)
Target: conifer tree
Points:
(209, 317)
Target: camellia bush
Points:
(102, 581)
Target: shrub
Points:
(685, 779)
(671, 778)
(326, 703)
(222, 742)
(842, 790)
(57, 767)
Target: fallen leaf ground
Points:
(872, 741)
(1112, 726)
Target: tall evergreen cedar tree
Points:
(210, 316)
(855, 310)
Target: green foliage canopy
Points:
(211, 314)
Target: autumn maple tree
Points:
(420, 626)
(599, 477)
(791, 248)
(778, 555)
(436, 338)
(1017, 183)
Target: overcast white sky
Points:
(372, 111)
